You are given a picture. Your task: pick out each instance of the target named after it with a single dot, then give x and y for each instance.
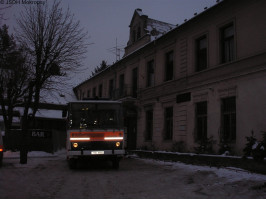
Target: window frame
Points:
(230, 42)
(150, 73)
(100, 90)
(111, 88)
(149, 124)
(198, 54)
(94, 92)
(168, 121)
(202, 117)
(121, 85)
(169, 66)
(135, 82)
(226, 114)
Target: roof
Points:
(58, 90)
(157, 28)
(97, 101)
(51, 114)
(138, 12)
(164, 28)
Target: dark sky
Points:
(108, 20)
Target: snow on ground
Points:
(48, 176)
(34, 154)
(231, 174)
(31, 155)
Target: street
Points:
(50, 177)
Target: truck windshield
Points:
(89, 116)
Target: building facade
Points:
(203, 81)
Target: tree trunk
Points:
(24, 141)
(25, 127)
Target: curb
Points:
(205, 160)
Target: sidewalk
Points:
(33, 154)
(205, 160)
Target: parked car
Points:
(1, 149)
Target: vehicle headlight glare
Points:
(75, 145)
(117, 144)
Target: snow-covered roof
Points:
(98, 101)
(154, 28)
(157, 28)
(15, 119)
(52, 114)
(139, 11)
(59, 90)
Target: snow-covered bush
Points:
(225, 148)
(251, 140)
(254, 148)
(205, 146)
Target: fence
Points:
(36, 140)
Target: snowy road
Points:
(50, 177)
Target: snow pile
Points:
(35, 154)
(230, 174)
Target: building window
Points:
(121, 85)
(169, 66)
(88, 94)
(227, 43)
(228, 119)
(201, 121)
(168, 123)
(134, 82)
(133, 36)
(150, 73)
(201, 53)
(139, 33)
(111, 88)
(149, 125)
(100, 92)
(94, 92)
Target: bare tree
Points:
(2, 12)
(55, 41)
(56, 45)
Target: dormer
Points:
(137, 26)
(144, 30)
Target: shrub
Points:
(251, 140)
(178, 147)
(224, 148)
(205, 146)
(254, 148)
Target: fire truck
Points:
(95, 131)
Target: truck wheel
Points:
(72, 163)
(115, 163)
